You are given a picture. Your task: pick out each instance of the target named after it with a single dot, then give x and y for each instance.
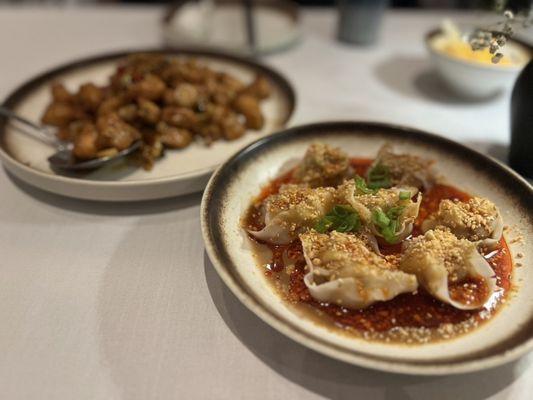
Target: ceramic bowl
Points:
(470, 79)
(230, 190)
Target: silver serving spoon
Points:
(63, 157)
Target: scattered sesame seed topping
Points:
(406, 169)
(474, 220)
(439, 245)
(323, 165)
(336, 247)
(306, 205)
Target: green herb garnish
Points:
(380, 218)
(395, 212)
(341, 219)
(324, 224)
(405, 195)
(362, 187)
(388, 222)
(379, 177)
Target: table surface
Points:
(119, 301)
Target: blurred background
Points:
(326, 48)
(459, 4)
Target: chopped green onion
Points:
(404, 195)
(351, 223)
(361, 186)
(389, 235)
(380, 218)
(341, 219)
(341, 211)
(395, 212)
(379, 177)
(388, 222)
(343, 227)
(323, 225)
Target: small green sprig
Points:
(362, 187)
(341, 219)
(405, 195)
(388, 222)
(379, 177)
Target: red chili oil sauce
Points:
(418, 310)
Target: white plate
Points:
(505, 337)
(178, 172)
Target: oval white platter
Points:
(178, 172)
(505, 337)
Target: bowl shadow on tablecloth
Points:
(335, 379)
(106, 208)
(414, 77)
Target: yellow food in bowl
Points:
(462, 50)
(452, 42)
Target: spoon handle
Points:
(36, 130)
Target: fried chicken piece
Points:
(148, 111)
(215, 112)
(60, 94)
(232, 128)
(249, 107)
(150, 87)
(71, 131)
(210, 132)
(90, 96)
(229, 82)
(85, 142)
(175, 138)
(128, 112)
(184, 95)
(110, 105)
(223, 97)
(259, 88)
(151, 148)
(193, 72)
(61, 114)
(114, 132)
(179, 117)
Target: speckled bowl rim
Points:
(212, 233)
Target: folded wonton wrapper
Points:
(344, 271)
(477, 220)
(383, 199)
(405, 169)
(293, 210)
(323, 165)
(439, 257)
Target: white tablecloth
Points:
(107, 301)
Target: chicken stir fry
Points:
(167, 102)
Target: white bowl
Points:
(473, 79)
(232, 187)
